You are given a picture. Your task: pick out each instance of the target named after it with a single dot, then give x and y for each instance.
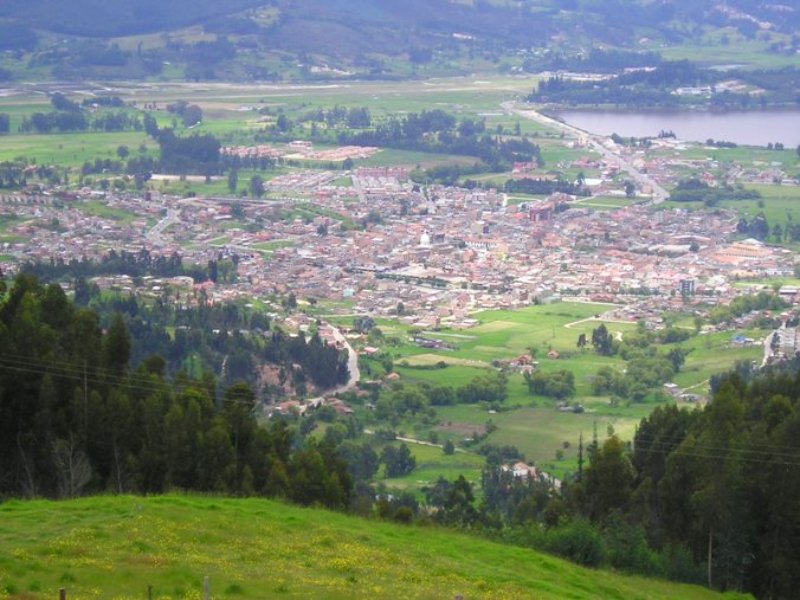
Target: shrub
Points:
(577, 541)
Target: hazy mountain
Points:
(365, 35)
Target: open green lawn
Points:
(114, 547)
(505, 334)
(9, 220)
(713, 353)
(539, 431)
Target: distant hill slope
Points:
(301, 39)
(115, 546)
(109, 18)
(512, 21)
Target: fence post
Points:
(149, 592)
(206, 589)
(62, 594)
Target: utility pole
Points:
(85, 401)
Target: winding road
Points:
(352, 363)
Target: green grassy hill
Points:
(113, 547)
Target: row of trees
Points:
(439, 132)
(124, 262)
(695, 190)
(528, 185)
(70, 116)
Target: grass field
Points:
(99, 209)
(391, 157)
(603, 203)
(531, 423)
(734, 48)
(780, 205)
(114, 547)
(70, 149)
(433, 463)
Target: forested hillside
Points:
(499, 18)
(259, 39)
(76, 417)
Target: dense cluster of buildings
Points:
(432, 254)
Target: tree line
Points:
(695, 190)
(438, 132)
(705, 495)
(189, 332)
(125, 262)
(528, 185)
(71, 116)
(76, 418)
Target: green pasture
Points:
(100, 209)
(272, 246)
(433, 463)
(453, 375)
(9, 220)
(712, 49)
(555, 152)
(71, 149)
(768, 283)
(746, 156)
(505, 334)
(532, 423)
(216, 187)
(390, 157)
(603, 203)
(713, 353)
(11, 238)
(780, 205)
(117, 546)
(541, 430)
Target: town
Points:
(428, 254)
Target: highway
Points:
(154, 235)
(597, 143)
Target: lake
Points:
(756, 128)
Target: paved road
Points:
(409, 440)
(602, 319)
(154, 235)
(597, 143)
(768, 346)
